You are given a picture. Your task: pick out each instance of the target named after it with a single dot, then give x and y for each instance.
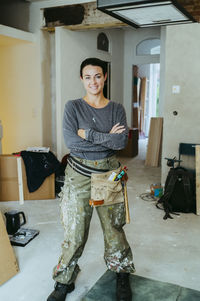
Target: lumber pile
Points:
(153, 156)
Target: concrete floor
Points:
(163, 250)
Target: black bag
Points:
(179, 192)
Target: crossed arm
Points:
(87, 140)
(116, 129)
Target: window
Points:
(148, 47)
(102, 42)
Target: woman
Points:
(94, 128)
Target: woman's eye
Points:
(98, 76)
(87, 77)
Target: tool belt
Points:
(82, 168)
(105, 192)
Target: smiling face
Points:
(93, 79)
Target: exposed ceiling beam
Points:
(193, 7)
(93, 18)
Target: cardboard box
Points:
(8, 263)
(131, 150)
(10, 184)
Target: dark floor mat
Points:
(143, 289)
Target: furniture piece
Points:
(189, 154)
(131, 150)
(13, 182)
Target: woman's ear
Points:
(105, 77)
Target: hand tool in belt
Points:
(94, 203)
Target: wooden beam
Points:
(95, 26)
(154, 142)
(192, 7)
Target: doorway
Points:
(106, 89)
(146, 87)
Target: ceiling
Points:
(192, 6)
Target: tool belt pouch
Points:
(105, 192)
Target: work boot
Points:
(123, 287)
(60, 292)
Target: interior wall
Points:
(71, 48)
(182, 65)
(162, 70)
(48, 84)
(131, 38)
(20, 97)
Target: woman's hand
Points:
(117, 129)
(81, 133)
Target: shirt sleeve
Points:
(112, 141)
(70, 128)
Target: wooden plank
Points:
(8, 262)
(85, 26)
(197, 157)
(20, 181)
(135, 97)
(45, 191)
(126, 203)
(12, 179)
(154, 142)
(95, 26)
(135, 117)
(143, 89)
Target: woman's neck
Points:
(96, 101)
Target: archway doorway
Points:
(145, 89)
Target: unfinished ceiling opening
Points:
(67, 15)
(78, 17)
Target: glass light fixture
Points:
(146, 13)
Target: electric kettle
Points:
(14, 220)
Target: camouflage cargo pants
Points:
(76, 214)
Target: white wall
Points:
(182, 65)
(20, 109)
(71, 48)
(131, 39)
(48, 89)
(162, 70)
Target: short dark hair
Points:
(94, 62)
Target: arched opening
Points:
(146, 87)
(148, 47)
(102, 42)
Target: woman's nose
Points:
(93, 80)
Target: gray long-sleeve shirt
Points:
(97, 123)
